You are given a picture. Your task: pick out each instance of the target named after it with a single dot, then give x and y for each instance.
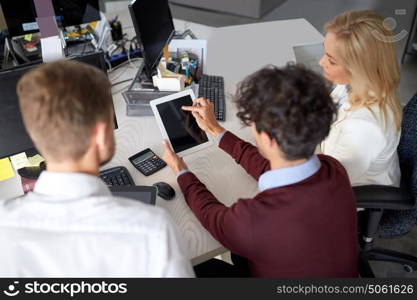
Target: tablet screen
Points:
(181, 127)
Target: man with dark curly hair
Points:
(303, 221)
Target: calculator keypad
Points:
(151, 165)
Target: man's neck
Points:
(86, 166)
(280, 163)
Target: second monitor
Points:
(20, 15)
(13, 136)
(154, 29)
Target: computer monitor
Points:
(13, 136)
(20, 15)
(76, 12)
(154, 28)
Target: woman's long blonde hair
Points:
(367, 51)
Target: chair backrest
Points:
(400, 222)
(407, 149)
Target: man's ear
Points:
(266, 139)
(101, 135)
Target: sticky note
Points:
(35, 160)
(19, 161)
(6, 169)
(28, 37)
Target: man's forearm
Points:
(245, 154)
(201, 201)
(225, 223)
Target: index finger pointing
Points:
(191, 108)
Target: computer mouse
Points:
(165, 191)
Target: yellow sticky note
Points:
(28, 37)
(35, 160)
(6, 170)
(19, 161)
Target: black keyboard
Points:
(212, 88)
(118, 176)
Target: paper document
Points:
(36, 160)
(19, 161)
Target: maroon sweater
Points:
(307, 229)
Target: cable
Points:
(122, 72)
(121, 90)
(108, 64)
(123, 81)
(129, 49)
(124, 63)
(103, 37)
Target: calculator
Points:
(147, 162)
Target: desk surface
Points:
(233, 52)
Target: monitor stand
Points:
(142, 82)
(140, 93)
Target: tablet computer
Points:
(145, 194)
(179, 127)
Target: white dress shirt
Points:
(71, 226)
(363, 144)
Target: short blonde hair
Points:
(370, 60)
(60, 104)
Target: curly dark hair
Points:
(292, 104)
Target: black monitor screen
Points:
(76, 12)
(13, 136)
(154, 28)
(20, 16)
(180, 125)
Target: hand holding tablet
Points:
(179, 126)
(175, 162)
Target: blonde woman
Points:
(363, 64)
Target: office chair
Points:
(392, 211)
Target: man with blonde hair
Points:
(71, 225)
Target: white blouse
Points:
(359, 140)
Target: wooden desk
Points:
(233, 52)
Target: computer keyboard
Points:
(118, 176)
(212, 88)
